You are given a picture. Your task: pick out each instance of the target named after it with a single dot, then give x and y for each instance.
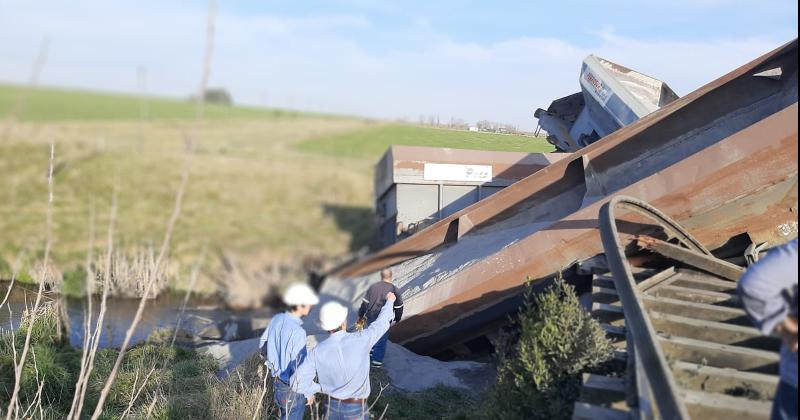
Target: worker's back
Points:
(342, 363)
(375, 298)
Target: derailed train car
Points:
(721, 160)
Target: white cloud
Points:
(314, 62)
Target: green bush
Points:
(74, 282)
(539, 371)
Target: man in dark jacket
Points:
(371, 307)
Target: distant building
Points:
(473, 129)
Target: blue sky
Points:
(473, 60)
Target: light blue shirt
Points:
(763, 288)
(286, 345)
(341, 363)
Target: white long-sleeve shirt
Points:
(341, 363)
(286, 345)
(764, 289)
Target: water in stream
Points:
(204, 316)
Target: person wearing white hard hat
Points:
(284, 346)
(341, 363)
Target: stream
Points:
(206, 317)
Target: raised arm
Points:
(379, 327)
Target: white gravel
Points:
(407, 370)
(412, 372)
(230, 354)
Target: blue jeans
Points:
(337, 410)
(379, 349)
(291, 404)
(785, 405)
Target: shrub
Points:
(219, 96)
(539, 371)
(73, 282)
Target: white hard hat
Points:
(300, 294)
(332, 315)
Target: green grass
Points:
(265, 186)
(56, 104)
(250, 194)
(439, 402)
(185, 379)
(372, 142)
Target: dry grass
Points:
(243, 394)
(13, 403)
(131, 271)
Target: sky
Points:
(497, 60)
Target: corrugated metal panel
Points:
(456, 197)
(419, 202)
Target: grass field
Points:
(267, 187)
(370, 143)
(53, 104)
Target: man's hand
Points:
(391, 297)
(787, 330)
(360, 323)
(310, 400)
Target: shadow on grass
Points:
(358, 221)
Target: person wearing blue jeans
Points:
(371, 305)
(283, 345)
(340, 364)
(379, 351)
(291, 405)
(342, 410)
(769, 295)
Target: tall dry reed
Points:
(12, 403)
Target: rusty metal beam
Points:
(721, 161)
(695, 259)
(649, 354)
(524, 192)
(575, 237)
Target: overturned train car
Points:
(722, 161)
